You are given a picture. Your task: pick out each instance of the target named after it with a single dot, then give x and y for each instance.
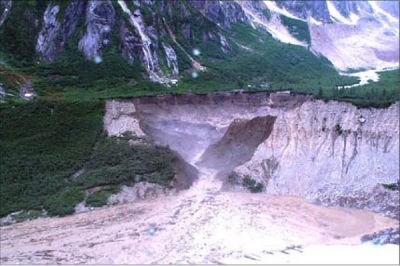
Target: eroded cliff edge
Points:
(331, 152)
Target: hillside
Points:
(103, 49)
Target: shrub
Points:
(252, 185)
(64, 203)
(44, 143)
(392, 186)
(338, 130)
(99, 198)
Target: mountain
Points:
(351, 34)
(198, 43)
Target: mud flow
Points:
(213, 135)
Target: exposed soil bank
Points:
(331, 153)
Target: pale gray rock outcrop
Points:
(130, 44)
(224, 43)
(100, 19)
(55, 33)
(223, 13)
(47, 45)
(138, 192)
(2, 90)
(72, 14)
(121, 117)
(304, 9)
(5, 6)
(171, 58)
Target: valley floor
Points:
(201, 225)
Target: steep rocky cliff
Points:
(331, 153)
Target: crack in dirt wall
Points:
(238, 144)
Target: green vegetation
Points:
(392, 186)
(63, 202)
(267, 61)
(12, 80)
(376, 94)
(115, 162)
(43, 143)
(19, 31)
(252, 185)
(99, 198)
(26, 215)
(297, 28)
(266, 64)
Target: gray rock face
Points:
(339, 30)
(2, 90)
(54, 33)
(130, 44)
(171, 58)
(357, 7)
(304, 9)
(47, 45)
(148, 46)
(100, 18)
(140, 191)
(224, 43)
(392, 7)
(5, 7)
(71, 18)
(319, 9)
(220, 12)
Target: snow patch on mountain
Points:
(274, 8)
(274, 25)
(337, 16)
(362, 35)
(378, 10)
(314, 21)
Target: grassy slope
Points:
(297, 28)
(41, 144)
(379, 94)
